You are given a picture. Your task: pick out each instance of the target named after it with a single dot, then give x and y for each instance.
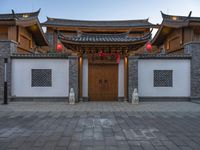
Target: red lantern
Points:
(101, 53)
(59, 47)
(149, 47)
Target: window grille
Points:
(41, 77)
(163, 78)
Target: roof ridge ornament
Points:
(13, 12)
(164, 16)
(162, 13)
(188, 17)
(49, 18)
(14, 15)
(38, 11)
(190, 14)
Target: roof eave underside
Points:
(167, 25)
(33, 25)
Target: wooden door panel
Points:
(103, 82)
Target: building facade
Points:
(100, 60)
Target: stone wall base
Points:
(164, 99)
(83, 99)
(40, 99)
(195, 99)
(122, 99)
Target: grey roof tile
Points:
(86, 23)
(14, 15)
(102, 38)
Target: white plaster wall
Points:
(121, 78)
(181, 77)
(21, 77)
(85, 78)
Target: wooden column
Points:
(80, 76)
(125, 78)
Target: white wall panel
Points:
(181, 77)
(85, 77)
(121, 78)
(21, 77)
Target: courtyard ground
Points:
(100, 125)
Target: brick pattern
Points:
(193, 48)
(6, 48)
(132, 75)
(73, 75)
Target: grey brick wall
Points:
(73, 74)
(132, 75)
(193, 48)
(6, 48)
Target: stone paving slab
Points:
(100, 126)
(102, 106)
(99, 130)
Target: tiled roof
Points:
(27, 20)
(164, 56)
(84, 23)
(103, 38)
(179, 18)
(14, 15)
(178, 21)
(171, 22)
(53, 55)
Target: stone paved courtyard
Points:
(106, 126)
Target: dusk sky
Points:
(103, 9)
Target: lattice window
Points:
(41, 78)
(163, 78)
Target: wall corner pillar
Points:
(193, 49)
(74, 75)
(132, 75)
(7, 47)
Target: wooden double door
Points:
(103, 82)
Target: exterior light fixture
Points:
(25, 15)
(174, 18)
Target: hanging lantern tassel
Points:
(118, 57)
(148, 47)
(59, 47)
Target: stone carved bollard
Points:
(72, 96)
(135, 97)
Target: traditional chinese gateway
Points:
(100, 60)
(102, 47)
